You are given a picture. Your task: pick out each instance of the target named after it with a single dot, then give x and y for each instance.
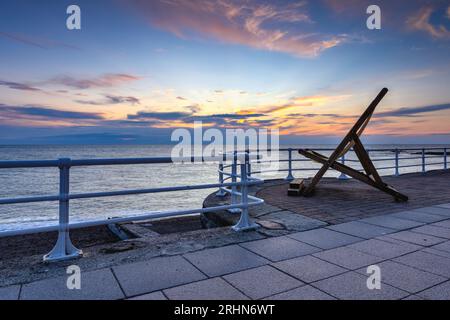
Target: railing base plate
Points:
(252, 226)
(55, 258)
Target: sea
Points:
(28, 182)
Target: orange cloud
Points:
(306, 101)
(264, 26)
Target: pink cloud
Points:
(421, 21)
(265, 26)
(105, 80)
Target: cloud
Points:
(411, 112)
(236, 116)
(421, 21)
(347, 6)
(103, 81)
(189, 117)
(181, 98)
(261, 25)
(18, 86)
(303, 101)
(36, 41)
(314, 115)
(122, 99)
(109, 99)
(158, 115)
(44, 112)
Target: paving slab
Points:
(353, 286)
(433, 231)
(220, 261)
(413, 297)
(415, 238)
(156, 274)
(427, 262)
(435, 210)
(440, 253)
(262, 282)
(324, 238)
(10, 293)
(95, 285)
(384, 249)
(309, 269)
(158, 295)
(348, 258)
(444, 246)
(294, 221)
(262, 210)
(405, 277)
(392, 222)
(279, 248)
(360, 229)
(418, 216)
(443, 224)
(210, 289)
(439, 292)
(302, 293)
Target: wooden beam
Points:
(357, 175)
(364, 158)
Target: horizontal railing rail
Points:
(64, 249)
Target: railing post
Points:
(445, 158)
(290, 177)
(244, 222)
(397, 171)
(63, 249)
(423, 160)
(221, 192)
(343, 176)
(234, 197)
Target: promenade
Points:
(296, 254)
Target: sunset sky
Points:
(138, 69)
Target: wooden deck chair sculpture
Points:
(351, 140)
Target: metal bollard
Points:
(63, 249)
(423, 160)
(234, 197)
(221, 192)
(290, 177)
(343, 176)
(244, 222)
(397, 171)
(445, 158)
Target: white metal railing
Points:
(238, 187)
(422, 154)
(64, 249)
